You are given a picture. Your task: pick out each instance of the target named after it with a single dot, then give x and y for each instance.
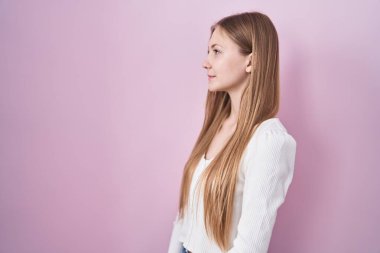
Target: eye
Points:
(216, 51)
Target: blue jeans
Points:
(184, 250)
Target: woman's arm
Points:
(175, 245)
(268, 173)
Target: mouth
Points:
(210, 77)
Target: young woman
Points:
(242, 164)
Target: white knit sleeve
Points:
(268, 173)
(175, 245)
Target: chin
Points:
(214, 87)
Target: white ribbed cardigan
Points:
(264, 177)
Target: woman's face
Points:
(227, 69)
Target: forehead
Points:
(220, 37)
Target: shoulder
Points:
(271, 130)
(270, 140)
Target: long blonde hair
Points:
(252, 32)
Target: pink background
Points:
(101, 102)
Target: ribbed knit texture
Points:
(263, 181)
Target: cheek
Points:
(225, 66)
(234, 69)
(229, 70)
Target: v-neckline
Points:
(265, 121)
(207, 160)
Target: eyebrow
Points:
(215, 44)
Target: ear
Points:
(249, 63)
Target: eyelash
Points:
(215, 50)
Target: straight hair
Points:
(254, 33)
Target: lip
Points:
(210, 77)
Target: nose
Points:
(206, 64)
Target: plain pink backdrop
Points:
(101, 103)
